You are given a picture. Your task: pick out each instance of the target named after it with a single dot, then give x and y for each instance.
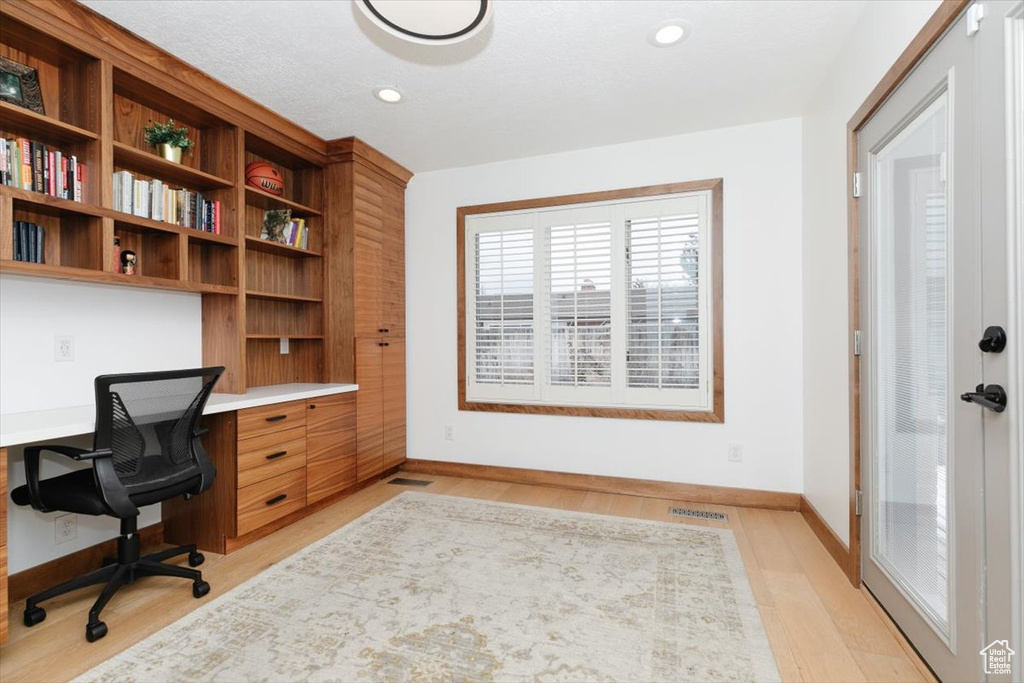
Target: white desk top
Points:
(39, 425)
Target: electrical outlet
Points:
(284, 346)
(449, 433)
(735, 452)
(64, 348)
(65, 528)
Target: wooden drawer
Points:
(269, 455)
(269, 419)
(262, 502)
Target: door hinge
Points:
(856, 342)
(975, 13)
(858, 502)
(856, 184)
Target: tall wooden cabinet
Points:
(373, 232)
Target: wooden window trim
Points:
(716, 415)
(945, 15)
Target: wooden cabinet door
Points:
(330, 445)
(367, 278)
(393, 264)
(369, 399)
(394, 402)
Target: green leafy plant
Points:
(167, 134)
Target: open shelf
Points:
(30, 124)
(285, 336)
(136, 159)
(126, 219)
(44, 203)
(282, 297)
(257, 244)
(103, 277)
(265, 200)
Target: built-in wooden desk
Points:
(58, 423)
(269, 442)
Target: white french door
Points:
(935, 302)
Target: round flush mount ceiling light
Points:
(389, 95)
(669, 33)
(428, 22)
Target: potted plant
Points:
(170, 141)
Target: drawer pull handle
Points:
(276, 418)
(275, 456)
(277, 499)
(312, 406)
(383, 329)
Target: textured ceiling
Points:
(544, 76)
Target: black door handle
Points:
(992, 397)
(994, 340)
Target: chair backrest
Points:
(149, 421)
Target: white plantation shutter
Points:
(598, 304)
(667, 306)
(500, 306)
(577, 288)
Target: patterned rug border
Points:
(750, 616)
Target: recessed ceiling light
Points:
(389, 95)
(669, 33)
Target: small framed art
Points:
(19, 84)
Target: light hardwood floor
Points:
(819, 626)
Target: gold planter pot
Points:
(170, 153)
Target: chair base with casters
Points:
(127, 568)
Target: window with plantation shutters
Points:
(599, 306)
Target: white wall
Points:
(761, 165)
(115, 329)
(882, 33)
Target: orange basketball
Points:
(262, 175)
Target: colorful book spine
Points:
(33, 166)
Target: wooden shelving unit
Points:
(284, 284)
(97, 102)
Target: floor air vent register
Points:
(698, 514)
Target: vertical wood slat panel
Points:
(330, 446)
(393, 402)
(369, 404)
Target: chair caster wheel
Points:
(200, 588)
(196, 559)
(94, 632)
(34, 616)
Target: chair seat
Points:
(71, 492)
(77, 492)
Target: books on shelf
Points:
(28, 242)
(31, 165)
(280, 227)
(154, 199)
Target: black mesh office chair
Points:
(146, 450)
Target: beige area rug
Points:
(436, 588)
